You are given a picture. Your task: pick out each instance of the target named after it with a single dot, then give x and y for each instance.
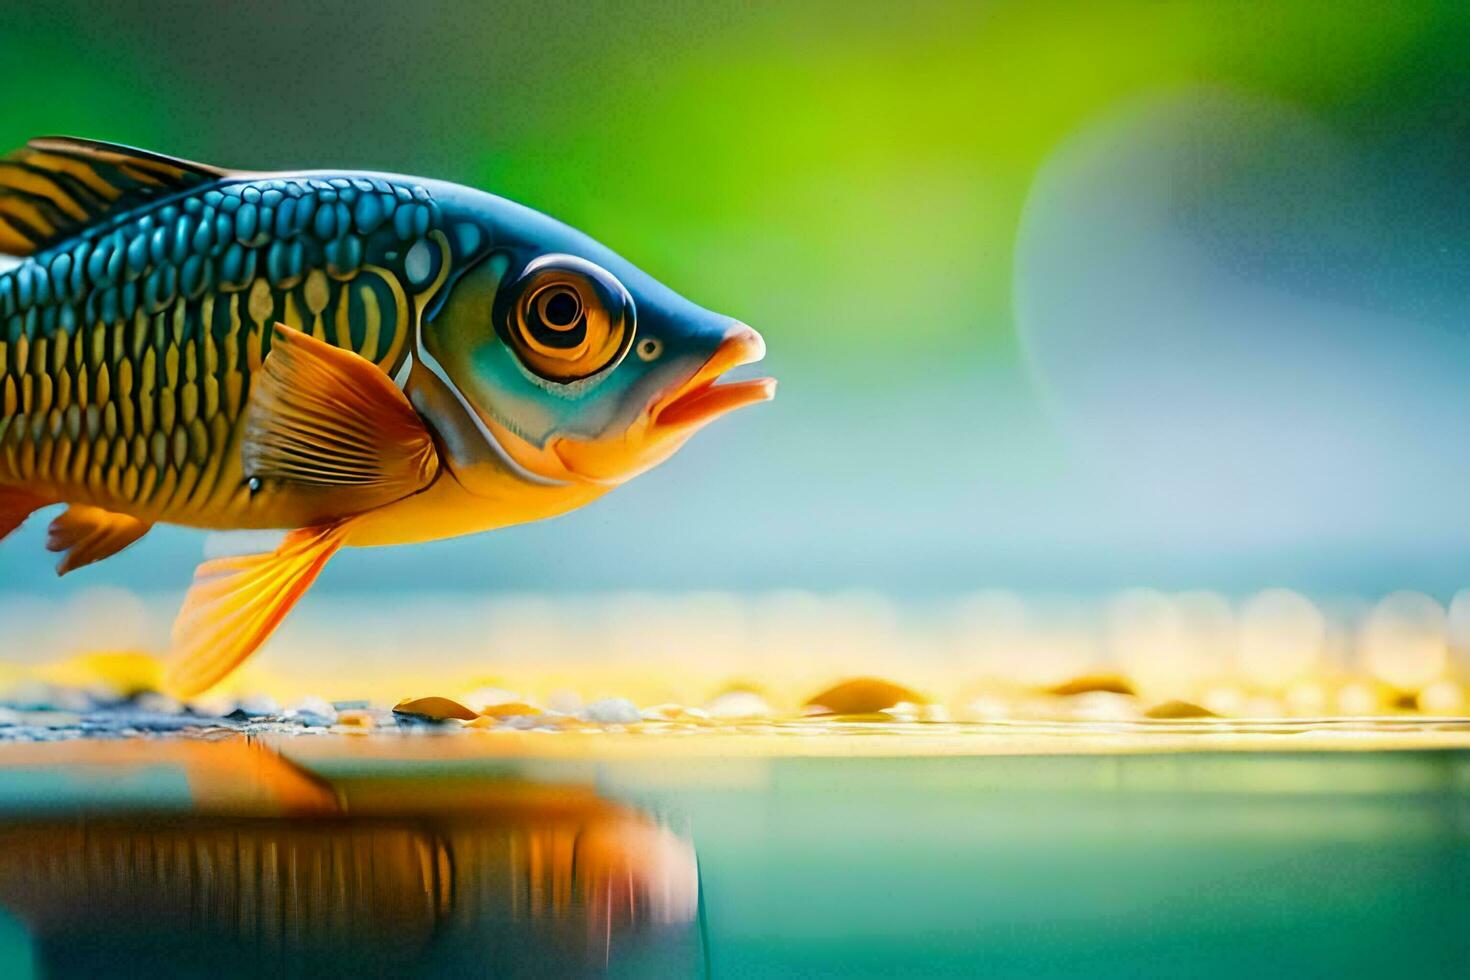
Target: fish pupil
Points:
(561, 309)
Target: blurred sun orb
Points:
(1280, 638)
(1403, 640)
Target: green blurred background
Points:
(1064, 296)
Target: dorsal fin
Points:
(56, 185)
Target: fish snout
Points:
(742, 345)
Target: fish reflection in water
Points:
(290, 874)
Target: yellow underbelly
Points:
(447, 510)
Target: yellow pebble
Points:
(1092, 683)
(1178, 709)
(510, 709)
(439, 709)
(863, 696)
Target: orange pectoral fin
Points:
(323, 417)
(87, 534)
(236, 603)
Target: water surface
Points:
(234, 857)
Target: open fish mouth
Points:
(704, 397)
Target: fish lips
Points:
(702, 398)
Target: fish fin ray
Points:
(15, 506)
(324, 417)
(54, 186)
(236, 603)
(85, 534)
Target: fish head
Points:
(568, 363)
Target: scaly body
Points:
(126, 355)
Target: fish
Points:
(357, 359)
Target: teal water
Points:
(1200, 865)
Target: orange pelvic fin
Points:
(15, 506)
(236, 603)
(323, 417)
(86, 534)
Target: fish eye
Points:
(650, 348)
(570, 319)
